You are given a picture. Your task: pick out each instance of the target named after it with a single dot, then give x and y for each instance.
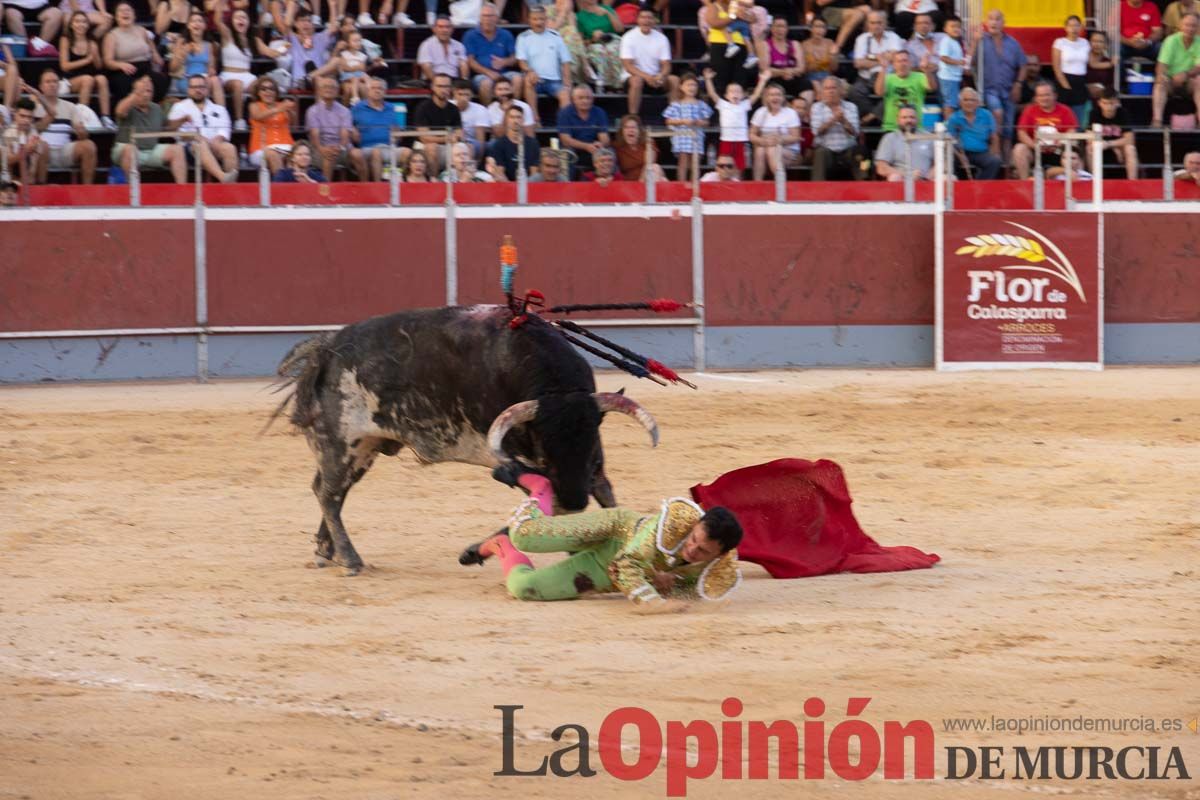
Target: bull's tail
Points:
(301, 371)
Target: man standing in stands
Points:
(870, 48)
(1003, 61)
(57, 121)
(1177, 73)
(1044, 115)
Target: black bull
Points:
(452, 384)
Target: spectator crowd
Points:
(305, 91)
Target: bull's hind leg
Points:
(336, 474)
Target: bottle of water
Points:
(401, 112)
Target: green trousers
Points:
(594, 537)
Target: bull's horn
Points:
(515, 414)
(614, 401)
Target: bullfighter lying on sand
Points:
(680, 553)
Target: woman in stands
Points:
(128, 53)
(601, 29)
(820, 54)
(630, 147)
(97, 14)
(300, 168)
(239, 43)
(784, 60)
(79, 60)
(418, 169)
(1070, 58)
(1100, 65)
(560, 17)
(271, 120)
(728, 68)
(463, 169)
(194, 54)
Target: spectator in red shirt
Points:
(1141, 29)
(604, 168)
(1045, 113)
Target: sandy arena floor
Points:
(161, 636)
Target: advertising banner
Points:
(1020, 290)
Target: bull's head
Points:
(566, 434)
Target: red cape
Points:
(797, 521)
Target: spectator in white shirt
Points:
(867, 49)
(502, 90)
(646, 55)
(217, 154)
(475, 118)
(774, 131)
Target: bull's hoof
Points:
(350, 572)
(471, 555)
(320, 561)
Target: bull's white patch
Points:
(358, 408)
(482, 309)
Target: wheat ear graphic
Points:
(1026, 249)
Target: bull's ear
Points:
(621, 390)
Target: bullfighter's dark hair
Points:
(722, 526)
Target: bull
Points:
(451, 384)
